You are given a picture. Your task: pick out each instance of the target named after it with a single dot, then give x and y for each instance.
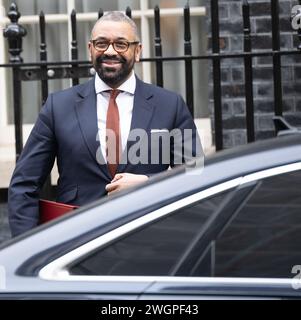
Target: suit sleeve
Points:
(32, 169)
(185, 142)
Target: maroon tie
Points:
(113, 134)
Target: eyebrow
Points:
(104, 38)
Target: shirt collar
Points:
(128, 86)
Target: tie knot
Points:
(114, 93)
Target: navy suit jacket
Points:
(66, 129)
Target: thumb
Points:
(117, 177)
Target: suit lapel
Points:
(85, 108)
(142, 114)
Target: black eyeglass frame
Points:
(128, 43)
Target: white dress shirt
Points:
(125, 103)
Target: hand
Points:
(123, 181)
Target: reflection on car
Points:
(231, 230)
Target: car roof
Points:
(257, 155)
(261, 146)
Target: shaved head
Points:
(117, 16)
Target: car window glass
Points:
(154, 249)
(264, 238)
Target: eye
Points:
(121, 45)
(101, 44)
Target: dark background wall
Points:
(232, 70)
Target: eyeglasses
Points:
(119, 46)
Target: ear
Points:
(90, 49)
(138, 52)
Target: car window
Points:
(154, 249)
(264, 238)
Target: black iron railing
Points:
(76, 69)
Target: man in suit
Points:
(73, 127)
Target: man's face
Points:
(112, 67)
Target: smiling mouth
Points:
(110, 63)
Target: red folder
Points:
(50, 210)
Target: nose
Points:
(110, 50)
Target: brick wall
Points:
(232, 70)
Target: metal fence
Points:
(76, 69)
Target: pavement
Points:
(4, 228)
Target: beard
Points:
(113, 76)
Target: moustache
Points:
(107, 58)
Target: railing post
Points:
(74, 49)
(46, 191)
(128, 12)
(276, 57)
(100, 13)
(158, 47)
(43, 56)
(216, 65)
(248, 72)
(14, 34)
(188, 62)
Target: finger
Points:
(111, 186)
(113, 191)
(117, 177)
